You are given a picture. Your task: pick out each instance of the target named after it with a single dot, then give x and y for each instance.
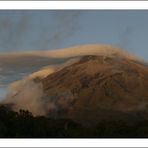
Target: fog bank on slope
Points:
(28, 93)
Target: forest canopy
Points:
(23, 124)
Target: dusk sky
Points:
(25, 30)
(42, 30)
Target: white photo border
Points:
(74, 5)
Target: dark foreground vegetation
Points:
(23, 125)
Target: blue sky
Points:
(45, 30)
(42, 30)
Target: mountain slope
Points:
(97, 87)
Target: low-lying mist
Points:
(28, 93)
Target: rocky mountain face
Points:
(96, 88)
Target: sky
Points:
(51, 29)
(25, 30)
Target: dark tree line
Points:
(23, 124)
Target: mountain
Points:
(96, 88)
(95, 83)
